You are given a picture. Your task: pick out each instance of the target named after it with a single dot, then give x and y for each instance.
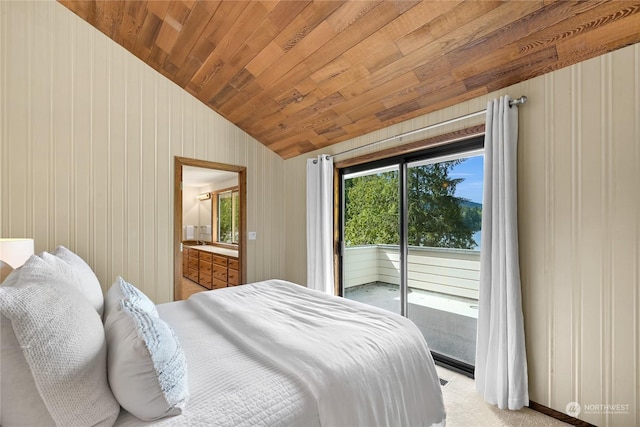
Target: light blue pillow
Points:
(123, 290)
(146, 364)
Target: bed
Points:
(270, 353)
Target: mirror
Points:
(209, 226)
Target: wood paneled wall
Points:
(579, 224)
(88, 136)
(86, 154)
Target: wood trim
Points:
(185, 161)
(242, 252)
(225, 190)
(336, 231)
(558, 415)
(177, 229)
(179, 162)
(214, 219)
(214, 216)
(446, 138)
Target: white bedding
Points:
(274, 353)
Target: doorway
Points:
(212, 221)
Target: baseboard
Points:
(561, 416)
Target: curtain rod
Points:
(516, 102)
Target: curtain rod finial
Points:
(518, 101)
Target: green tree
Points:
(224, 219)
(371, 215)
(437, 218)
(435, 213)
(472, 215)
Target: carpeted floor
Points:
(466, 408)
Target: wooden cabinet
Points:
(220, 263)
(206, 270)
(213, 271)
(233, 277)
(185, 261)
(192, 264)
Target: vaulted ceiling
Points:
(301, 75)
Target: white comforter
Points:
(277, 354)
(363, 366)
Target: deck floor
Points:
(448, 324)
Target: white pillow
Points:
(62, 340)
(147, 367)
(20, 402)
(121, 289)
(86, 279)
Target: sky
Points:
(471, 170)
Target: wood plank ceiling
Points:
(301, 75)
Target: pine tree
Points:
(435, 213)
(437, 218)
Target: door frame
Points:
(179, 162)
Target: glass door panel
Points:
(443, 266)
(371, 237)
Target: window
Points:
(227, 214)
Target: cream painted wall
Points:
(88, 138)
(579, 224)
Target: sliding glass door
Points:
(444, 221)
(411, 231)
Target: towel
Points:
(190, 232)
(207, 229)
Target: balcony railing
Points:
(453, 272)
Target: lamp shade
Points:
(13, 253)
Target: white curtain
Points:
(501, 364)
(320, 224)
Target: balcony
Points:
(443, 291)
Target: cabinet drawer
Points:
(232, 277)
(206, 256)
(205, 280)
(185, 251)
(220, 260)
(219, 284)
(185, 266)
(220, 274)
(193, 263)
(193, 274)
(233, 263)
(205, 267)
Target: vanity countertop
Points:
(217, 250)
